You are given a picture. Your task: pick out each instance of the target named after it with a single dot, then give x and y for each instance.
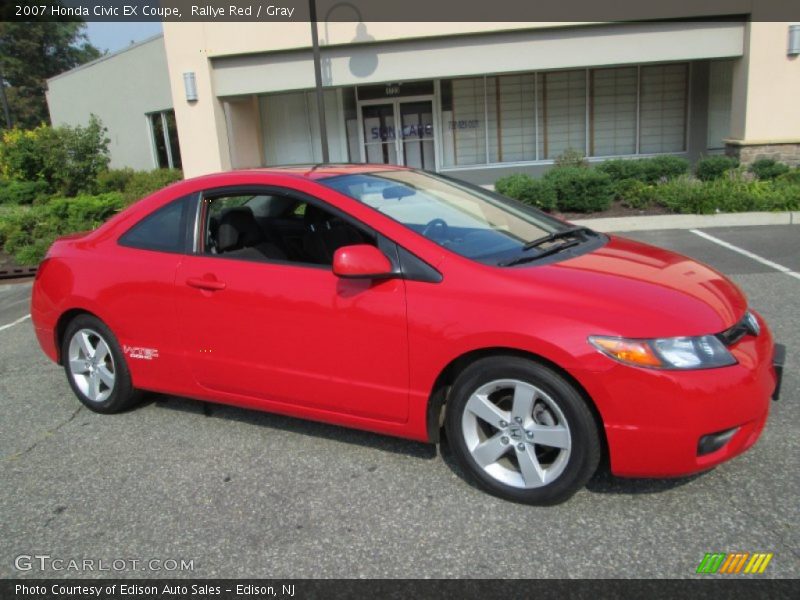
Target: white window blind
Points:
(720, 89)
(511, 118)
(463, 123)
(562, 98)
(612, 111)
(663, 101)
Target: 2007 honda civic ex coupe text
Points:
(403, 302)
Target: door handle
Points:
(206, 284)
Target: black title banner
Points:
(483, 589)
(571, 11)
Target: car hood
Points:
(632, 289)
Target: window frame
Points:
(209, 194)
(187, 219)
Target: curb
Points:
(652, 222)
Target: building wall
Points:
(120, 89)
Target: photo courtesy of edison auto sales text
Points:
(126, 589)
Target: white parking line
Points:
(17, 322)
(747, 253)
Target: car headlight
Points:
(703, 352)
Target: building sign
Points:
(463, 124)
(388, 133)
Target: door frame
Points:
(398, 141)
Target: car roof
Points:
(324, 170)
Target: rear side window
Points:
(164, 230)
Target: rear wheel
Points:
(521, 430)
(95, 367)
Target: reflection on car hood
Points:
(641, 290)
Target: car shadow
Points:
(602, 482)
(337, 433)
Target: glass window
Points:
(164, 133)
(612, 111)
(467, 220)
(511, 118)
(663, 104)
(165, 230)
(562, 98)
(720, 91)
(463, 127)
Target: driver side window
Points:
(275, 227)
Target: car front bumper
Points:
(663, 423)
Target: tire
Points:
(95, 366)
(521, 431)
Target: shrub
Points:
(68, 159)
(620, 169)
(580, 190)
(571, 158)
(22, 192)
(27, 232)
(791, 177)
(633, 193)
(143, 183)
(663, 168)
(536, 192)
(114, 180)
(766, 168)
(728, 194)
(714, 167)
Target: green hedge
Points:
(580, 190)
(766, 168)
(647, 170)
(27, 232)
(734, 194)
(536, 192)
(23, 192)
(714, 167)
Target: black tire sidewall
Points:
(123, 394)
(585, 450)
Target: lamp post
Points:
(323, 131)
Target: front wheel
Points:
(522, 431)
(95, 367)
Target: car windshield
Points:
(466, 219)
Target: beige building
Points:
(473, 100)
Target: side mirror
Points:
(361, 261)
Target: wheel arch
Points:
(437, 400)
(61, 327)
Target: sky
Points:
(116, 36)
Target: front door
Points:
(399, 132)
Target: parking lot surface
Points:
(248, 494)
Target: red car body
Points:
(371, 354)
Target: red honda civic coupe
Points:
(403, 302)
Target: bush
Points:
(68, 159)
(22, 192)
(580, 190)
(142, 183)
(620, 169)
(571, 158)
(728, 194)
(714, 167)
(114, 180)
(766, 168)
(536, 192)
(791, 177)
(633, 193)
(663, 168)
(27, 232)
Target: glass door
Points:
(399, 132)
(416, 119)
(380, 139)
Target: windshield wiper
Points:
(556, 235)
(530, 258)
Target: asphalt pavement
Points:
(246, 494)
